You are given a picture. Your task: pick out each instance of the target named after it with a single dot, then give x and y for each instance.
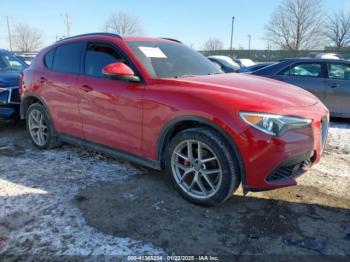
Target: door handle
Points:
(86, 88)
(43, 80)
(335, 85)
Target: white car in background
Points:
(244, 62)
(325, 55)
(225, 63)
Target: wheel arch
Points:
(29, 99)
(178, 124)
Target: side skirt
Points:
(110, 151)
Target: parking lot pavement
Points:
(69, 201)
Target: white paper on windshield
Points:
(152, 52)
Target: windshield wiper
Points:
(218, 73)
(184, 76)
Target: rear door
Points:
(307, 75)
(59, 81)
(338, 88)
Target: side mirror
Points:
(120, 71)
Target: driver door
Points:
(111, 110)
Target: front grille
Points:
(4, 96)
(285, 172)
(9, 95)
(324, 130)
(15, 96)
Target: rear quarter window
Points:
(48, 59)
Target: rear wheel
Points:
(202, 167)
(40, 128)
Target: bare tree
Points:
(123, 24)
(297, 25)
(338, 29)
(213, 44)
(26, 38)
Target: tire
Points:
(37, 118)
(209, 184)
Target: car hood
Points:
(256, 90)
(9, 79)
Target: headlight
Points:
(275, 125)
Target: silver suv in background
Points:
(328, 79)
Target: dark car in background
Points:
(10, 69)
(254, 67)
(328, 79)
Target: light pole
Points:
(68, 22)
(9, 32)
(233, 23)
(250, 38)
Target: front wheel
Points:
(202, 167)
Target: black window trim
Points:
(289, 66)
(53, 57)
(60, 45)
(118, 50)
(339, 63)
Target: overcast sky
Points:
(191, 21)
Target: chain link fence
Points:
(273, 55)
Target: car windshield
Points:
(171, 59)
(10, 63)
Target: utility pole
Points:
(68, 22)
(233, 23)
(250, 38)
(9, 32)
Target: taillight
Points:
(21, 83)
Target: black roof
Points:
(91, 34)
(109, 34)
(172, 39)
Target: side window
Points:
(67, 58)
(48, 59)
(306, 69)
(98, 56)
(339, 71)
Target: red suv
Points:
(160, 104)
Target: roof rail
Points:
(171, 39)
(90, 34)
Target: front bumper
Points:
(272, 162)
(9, 102)
(291, 168)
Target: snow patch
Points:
(37, 215)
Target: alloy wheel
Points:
(38, 127)
(196, 169)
